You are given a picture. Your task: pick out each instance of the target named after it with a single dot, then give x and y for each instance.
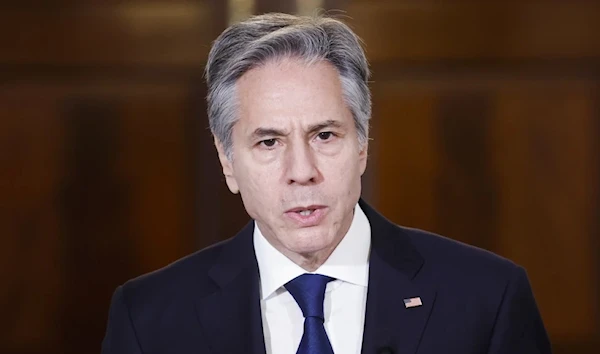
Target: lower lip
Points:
(313, 219)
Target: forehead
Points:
(288, 91)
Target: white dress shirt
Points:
(345, 297)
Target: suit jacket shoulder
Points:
(454, 258)
(172, 280)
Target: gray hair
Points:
(260, 39)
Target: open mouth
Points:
(311, 215)
(306, 212)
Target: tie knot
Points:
(309, 292)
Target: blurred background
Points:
(486, 128)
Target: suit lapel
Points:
(393, 277)
(230, 314)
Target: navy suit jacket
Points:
(473, 302)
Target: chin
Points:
(310, 242)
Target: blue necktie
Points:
(309, 292)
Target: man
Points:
(317, 270)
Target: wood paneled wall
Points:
(486, 129)
(108, 168)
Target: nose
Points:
(301, 165)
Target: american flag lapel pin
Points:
(413, 302)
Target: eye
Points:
(325, 135)
(268, 142)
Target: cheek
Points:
(344, 175)
(257, 181)
(342, 168)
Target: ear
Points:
(227, 168)
(363, 154)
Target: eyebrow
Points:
(330, 123)
(267, 132)
(273, 132)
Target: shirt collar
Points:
(349, 262)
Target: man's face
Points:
(297, 161)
